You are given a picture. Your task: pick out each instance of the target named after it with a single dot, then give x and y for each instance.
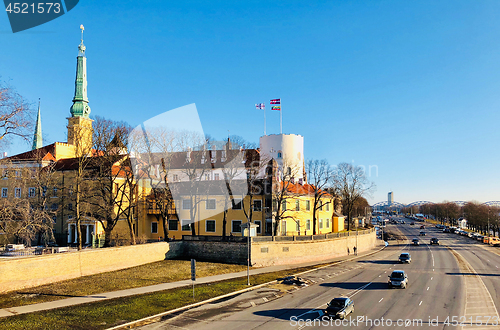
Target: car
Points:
(422, 233)
(339, 307)
(422, 227)
(412, 224)
(416, 241)
(398, 278)
(404, 258)
(446, 230)
(434, 240)
(403, 222)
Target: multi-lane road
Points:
(450, 286)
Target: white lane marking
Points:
(427, 288)
(381, 300)
(420, 303)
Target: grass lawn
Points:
(154, 273)
(105, 314)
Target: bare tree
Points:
(24, 213)
(15, 114)
(320, 177)
(282, 191)
(351, 182)
(111, 174)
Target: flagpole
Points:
(281, 118)
(264, 120)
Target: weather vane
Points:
(81, 47)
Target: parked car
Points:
(416, 241)
(15, 247)
(422, 233)
(404, 258)
(412, 224)
(434, 240)
(446, 230)
(339, 307)
(422, 227)
(398, 278)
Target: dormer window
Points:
(280, 154)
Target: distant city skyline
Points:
(407, 90)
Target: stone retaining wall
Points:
(32, 271)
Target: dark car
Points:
(434, 240)
(416, 241)
(422, 233)
(404, 258)
(339, 307)
(422, 227)
(398, 278)
(412, 224)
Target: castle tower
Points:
(37, 137)
(288, 151)
(79, 124)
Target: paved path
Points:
(166, 286)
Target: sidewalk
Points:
(166, 286)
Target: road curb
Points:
(158, 317)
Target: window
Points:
(320, 223)
(31, 192)
(308, 205)
(186, 225)
(237, 204)
(216, 176)
(210, 204)
(54, 192)
(5, 191)
(308, 224)
(70, 190)
(44, 191)
(279, 154)
(210, 226)
(154, 227)
(54, 207)
(257, 205)
(298, 225)
(327, 223)
(70, 217)
(54, 219)
(17, 193)
(258, 223)
(283, 206)
(70, 206)
(176, 177)
(236, 226)
(297, 205)
(207, 177)
(173, 225)
(327, 207)
(186, 204)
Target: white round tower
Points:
(287, 150)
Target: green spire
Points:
(37, 137)
(80, 107)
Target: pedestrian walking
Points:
(348, 251)
(355, 251)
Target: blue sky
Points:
(409, 87)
